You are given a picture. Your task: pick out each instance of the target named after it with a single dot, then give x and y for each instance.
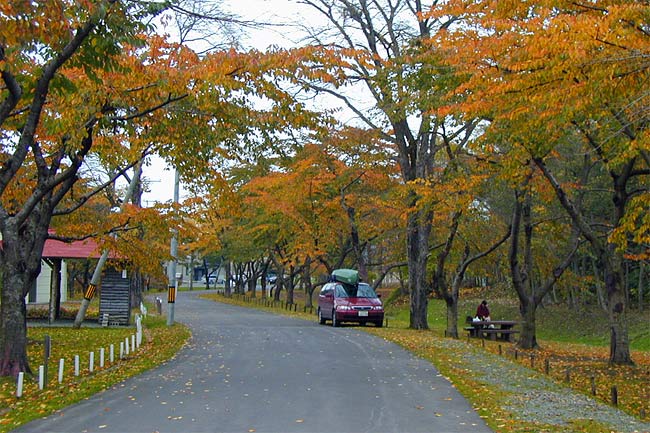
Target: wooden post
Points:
(516, 354)
(614, 396)
(500, 350)
(47, 349)
(532, 360)
(547, 366)
(593, 385)
(567, 375)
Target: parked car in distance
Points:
(213, 279)
(271, 277)
(340, 302)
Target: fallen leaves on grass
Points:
(161, 343)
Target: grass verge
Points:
(160, 344)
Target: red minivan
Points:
(340, 302)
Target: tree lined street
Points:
(246, 371)
(437, 147)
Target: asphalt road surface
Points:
(250, 371)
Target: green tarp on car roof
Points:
(347, 276)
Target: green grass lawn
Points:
(554, 323)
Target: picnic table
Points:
(492, 329)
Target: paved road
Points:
(251, 371)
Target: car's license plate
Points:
(363, 314)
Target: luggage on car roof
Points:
(347, 276)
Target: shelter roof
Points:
(81, 249)
(86, 249)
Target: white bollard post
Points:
(41, 377)
(121, 350)
(133, 343)
(101, 357)
(138, 335)
(19, 385)
(61, 362)
(126, 345)
(91, 362)
(111, 353)
(76, 365)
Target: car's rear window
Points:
(362, 291)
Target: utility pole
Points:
(171, 269)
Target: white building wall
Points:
(43, 284)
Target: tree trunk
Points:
(529, 292)
(609, 257)
(55, 291)
(354, 238)
(279, 283)
(21, 264)
(617, 312)
(528, 336)
(640, 285)
(251, 281)
(13, 325)
(309, 286)
(419, 227)
(227, 284)
(206, 274)
(137, 284)
(290, 285)
(191, 267)
(452, 316)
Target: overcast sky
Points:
(160, 177)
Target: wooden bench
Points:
(492, 329)
(494, 333)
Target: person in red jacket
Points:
(483, 312)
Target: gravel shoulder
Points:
(533, 398)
